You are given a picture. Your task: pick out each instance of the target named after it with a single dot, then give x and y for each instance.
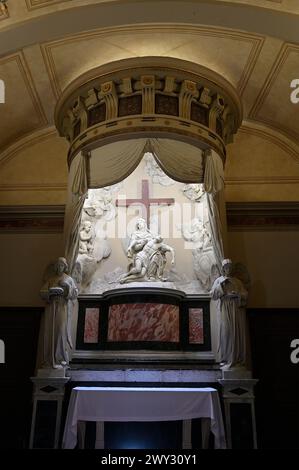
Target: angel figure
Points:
(231, 296)
(86, 238)
(60, 293)
(193, 191)
(204, 262)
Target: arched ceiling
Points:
(45, 45)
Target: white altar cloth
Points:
(142, 404)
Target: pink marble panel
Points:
(144, 322)
(91, 328)
(196, 335)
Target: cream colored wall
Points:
(23, 260)
(259, 167)
(272, 259)
(35, 172)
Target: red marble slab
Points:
(196, 334)
(144, 322)
(91, 328)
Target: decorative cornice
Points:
(31, 219)
(241, 216)
(33, 187)
(262, 216)
(255, 180)
(147, 95)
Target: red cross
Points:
(146, 202)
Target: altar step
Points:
(145, 375)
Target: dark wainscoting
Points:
(19, 330)
(277, 392)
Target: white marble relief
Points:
(193, 191)
(155, 171)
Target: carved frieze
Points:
(130, 105)
(191, 98)
(97, 114)
(199, 114)
(166, 104)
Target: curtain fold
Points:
(78, 187)
(214, 172)
(114, 162)
(179, 160)
(213, 183)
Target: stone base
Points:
(50, 373)
(240, 373)
(145, 375)
(238, 397)
(47, 409)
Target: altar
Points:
(160, 320)
(102, 404)
(145, 291)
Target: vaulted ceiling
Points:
(45, 44)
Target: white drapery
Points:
(102, 404)
(213, 183)
(77, 192)
(112, 163)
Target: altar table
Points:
(102, 404)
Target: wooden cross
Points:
(146, 202)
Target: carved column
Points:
(148, 94)
(216, 110)
(109, 95)
(187, 94)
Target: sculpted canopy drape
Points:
(112, 163)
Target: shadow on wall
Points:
(258, 293)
